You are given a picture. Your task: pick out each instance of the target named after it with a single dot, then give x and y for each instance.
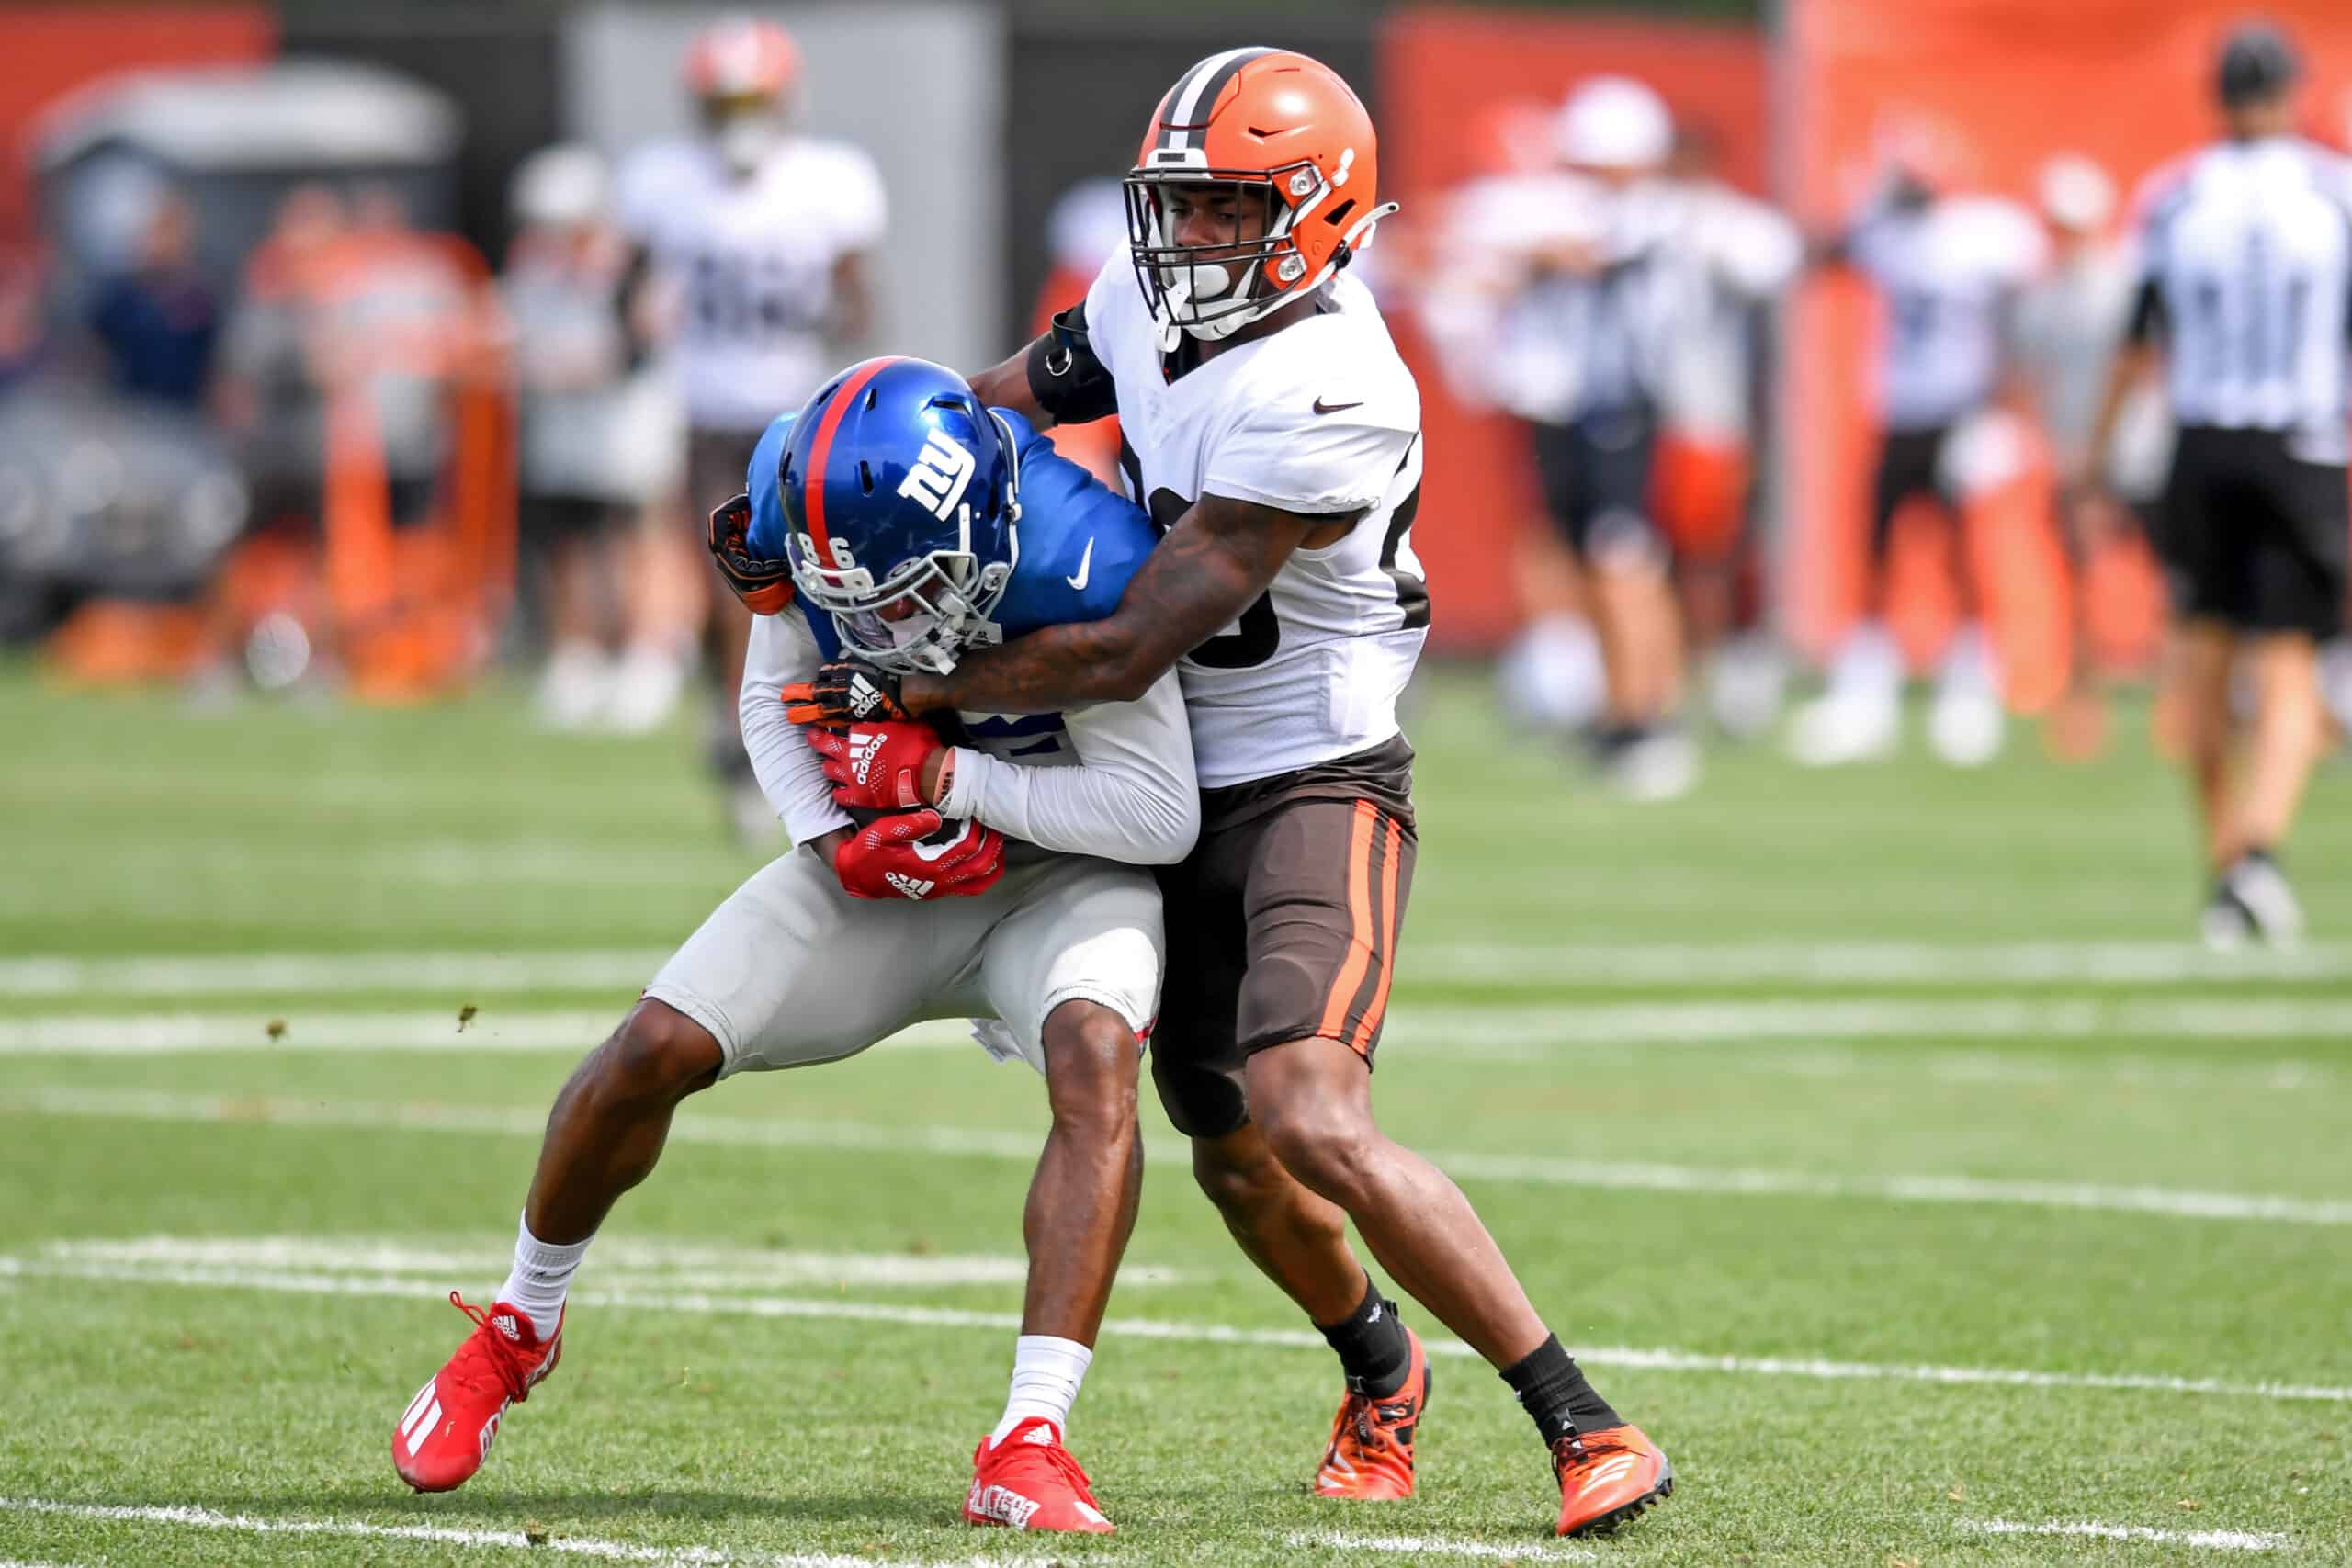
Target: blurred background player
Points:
(2246, 298)
(1549, 676)
(2069, 323)
(759, 236)
(1585, 343)
(1947, 267)
(598, 433)
(1735, 255)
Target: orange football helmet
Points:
(741, 58)
(1259, 119)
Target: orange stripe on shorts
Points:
(1370, 1023)
(1343, 989)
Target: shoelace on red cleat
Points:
(1064, 1463)
(1357, 1420)
(1572, 1448)
(486, 1357)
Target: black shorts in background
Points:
(2252, 535)
(1596, 476)
(1910, 463)
(1282, 925)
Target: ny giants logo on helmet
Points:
(940, 475)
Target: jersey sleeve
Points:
(1327, 445)
(1758, 250)
(759, 482)
(646, 182)
(1134, 795)
(783, 650)
(2157, 203)
(1080, 541)
(862, 207)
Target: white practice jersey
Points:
(2246, 259)
(751, 260)
(1113, 781)
(1948, 272)
(1320, 418)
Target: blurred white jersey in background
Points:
(749, 261)
(1948, 272)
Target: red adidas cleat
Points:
(447, 1431)
(1032, 1483)
(1371, 1453)
(1608, 1477)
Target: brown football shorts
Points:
(1281, 926)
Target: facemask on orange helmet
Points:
(1256, 184)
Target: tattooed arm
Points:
(1217, 559)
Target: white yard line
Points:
(642, 1262)
(1580, 963)
(987, 1143)
(1438, 1546)
(709, 1303)
(2216, 1540)
(1563, 1031)
(192, 1517)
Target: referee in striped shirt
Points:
(2245, 299)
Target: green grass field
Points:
(1877, 1137)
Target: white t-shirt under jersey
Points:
(1323, 418)
(751, 261)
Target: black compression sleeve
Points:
(1066, 379)
(2147, 312)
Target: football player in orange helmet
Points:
(1275, 432)
(741, 72)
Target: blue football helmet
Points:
(902, 492)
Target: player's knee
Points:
(658, 1051)
(1091, 1068)
(1325, 1143)
(1238, 1173)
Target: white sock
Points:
(541, 1278)
(1970, 668)
(1867, 667)
(1045, 1375)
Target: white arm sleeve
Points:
(792, 776)
(1133, 798)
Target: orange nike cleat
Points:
(1032, 1483)
(447, 1431)
(1371, 1453)
(1608, 1477)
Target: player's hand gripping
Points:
(764, 586)
(847, 691)
(882, 767)
(885, 861)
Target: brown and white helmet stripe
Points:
(1184, 113)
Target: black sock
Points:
(1371, 1342)
(1552, 1389)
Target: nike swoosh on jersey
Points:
(1322, 407)
(1085, 568)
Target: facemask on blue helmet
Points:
(901, 496)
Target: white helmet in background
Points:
(2075, 194)
(1614, 123)
(562, 186)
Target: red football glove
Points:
(883, 861)
(877, 767)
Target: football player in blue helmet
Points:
(1002, 878)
